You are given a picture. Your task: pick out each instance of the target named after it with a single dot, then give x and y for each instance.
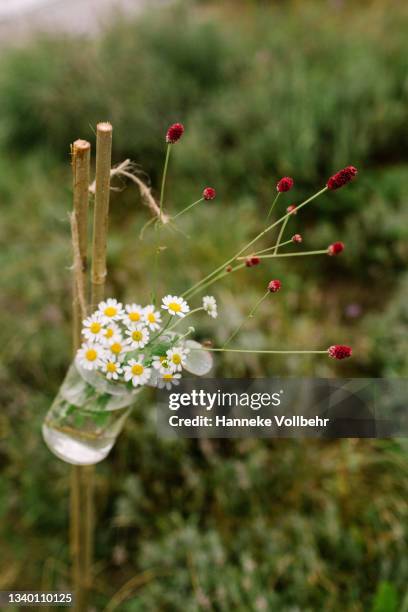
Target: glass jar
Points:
(87, 416)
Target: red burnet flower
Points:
(292, 209)
(228, 269)
(340, 351)
(274, 286)
(335, 249)
(297, 238)
(252, 261)
(285, 184)
(209, 193)
(174, 133)
(342, 177)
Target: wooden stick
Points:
(75, 534)
(98, 278)
(78, 285)
(101, 210)
(81, 153)
(82, 478)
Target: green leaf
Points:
(101, 418)
(79, 420)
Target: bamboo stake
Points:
(98, 278)
(101, 210)
(75, 534)
(88, 472)
(81, 153)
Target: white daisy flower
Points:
(111, 368)
(152, 317)
(167, 381)
(210, 306)
(111, 332)
(133, 314)
(176, 358)
(138, 336)
(91, 355)
(136, 372)
(160, 364)
(175, 305)
(117, 346)
(93, 329)
(111, 310)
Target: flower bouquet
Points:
(126, 348)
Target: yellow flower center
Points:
(137, 335)
(91, 354)
(167, 376)
(95, 327)
(109, 333)
(110, 311)
(134, 316)
(175, 306)
(176, 359)
(111, 367)
(151, 317)
(137, 369)
(116, 347)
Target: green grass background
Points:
(297, 88)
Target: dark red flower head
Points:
(285, 184)
(342, 177)
(209, 193)
(340, 351)
(297, 238)
(228, 269)
(292, 209)
(274, 286)
(174, 133)
(336, 248)
(252, 261)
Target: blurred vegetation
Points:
(299, 89)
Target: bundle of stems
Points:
(243, 257)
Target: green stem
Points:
(272, 248)
(163, 183)
(251, 314)
(273, 205)
(265, 231)
(155, 263)
(158, 224)
(174, 341)
(217, 278)
(266, 352)
(297, 254)
(146, 225)
(188, 332)
(187, 208)
(282, 229)
(179, 320)
(161, 331)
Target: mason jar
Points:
(87, 416)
